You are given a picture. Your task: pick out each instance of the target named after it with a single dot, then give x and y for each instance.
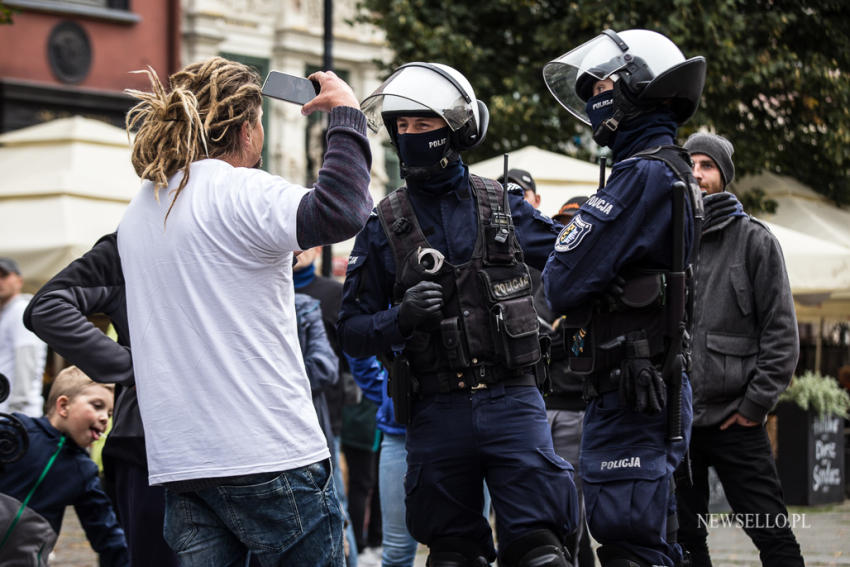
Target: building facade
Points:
(288, 36)
(61, 58)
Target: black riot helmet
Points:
(429, 89)
(646, 67)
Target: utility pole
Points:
(327, 65)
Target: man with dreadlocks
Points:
(224, 398)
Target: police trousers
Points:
(627, 465)
(458, 439)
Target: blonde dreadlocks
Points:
(200, 117)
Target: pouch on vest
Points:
(515, 326)
(401, 389)
(507, 283)
(498, 239)
(453, 343)
(541, 369)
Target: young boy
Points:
(56, 471)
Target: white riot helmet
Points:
(429, 89)
(645, 66)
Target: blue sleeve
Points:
(320, 361)
(626, 224)
(369, 375)
(535, 231)
(98, 520)
(368, 325)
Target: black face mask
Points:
(599, 109)
(421, 150)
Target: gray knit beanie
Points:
(717, 148)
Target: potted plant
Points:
(810, 458)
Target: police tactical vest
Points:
(488, 331)
(647, 319)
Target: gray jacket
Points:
(745, 342)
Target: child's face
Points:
(84, 417)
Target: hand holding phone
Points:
(290, 88)
(334, 92)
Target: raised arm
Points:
(339, 204)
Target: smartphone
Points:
(290, 87)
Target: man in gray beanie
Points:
(743, 353)
(711, 152)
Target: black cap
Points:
(9, 266)
(522, 178)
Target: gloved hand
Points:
(614, 291)
(641, 386)
(717, 207)
(420, 303)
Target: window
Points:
(114, 10)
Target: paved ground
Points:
(823, 533)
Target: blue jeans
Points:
(399, 547)
(288, 518)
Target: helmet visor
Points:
(570, 77)
(415, 90)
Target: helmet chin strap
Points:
(624, 109)
(450, 155)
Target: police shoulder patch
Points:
(355, 260)
(572, 234)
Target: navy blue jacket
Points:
(71, 480)
(625, 226)
(368, 324)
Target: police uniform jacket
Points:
(625, 227)
(368, 321)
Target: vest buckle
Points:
(401, 225)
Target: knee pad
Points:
(455, 552)
(540, 548)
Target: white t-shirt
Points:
(221, 381)
(22, 357)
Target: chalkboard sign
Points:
(810, 456)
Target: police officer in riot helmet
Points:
(438, 285)
(618, 274)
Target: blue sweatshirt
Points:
(71, 480)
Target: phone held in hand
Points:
(290, 88)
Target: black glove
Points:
(614, 291)
(641, 386)
(420, 303)
(717, 207)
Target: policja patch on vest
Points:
(573, 234)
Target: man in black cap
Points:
(22, 354)
(568, 209)
(744, 351)
(525, 182)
